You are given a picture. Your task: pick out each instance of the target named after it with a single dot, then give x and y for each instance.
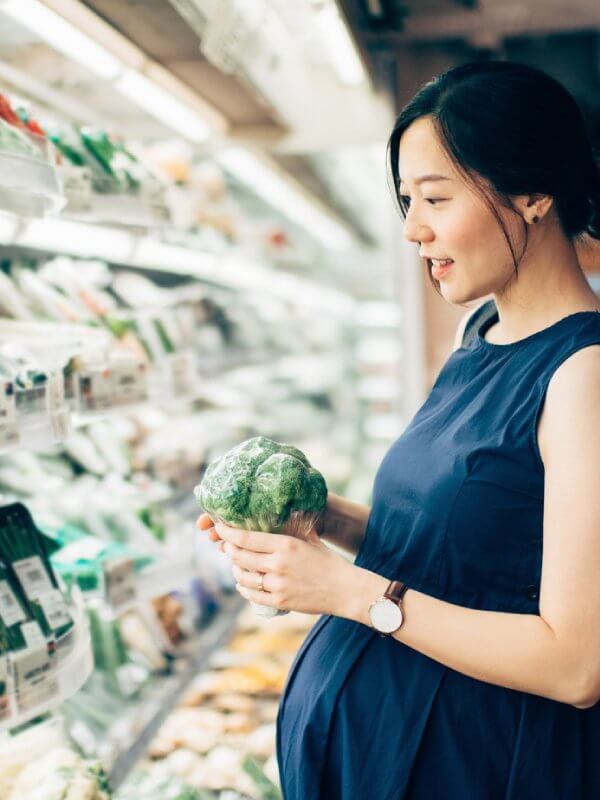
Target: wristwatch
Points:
(386, 614)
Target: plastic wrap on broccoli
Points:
(260, 485)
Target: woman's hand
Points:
(298, 575)
(205, 523)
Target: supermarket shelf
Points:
(29, 184)
(168, 691)
(233, 270)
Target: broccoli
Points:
(259, 484)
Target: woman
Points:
(488, 505)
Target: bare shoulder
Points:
(462, 325)
(571, 410)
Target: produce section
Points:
(148, 326)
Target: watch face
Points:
(386, 616)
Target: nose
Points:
(415, 231)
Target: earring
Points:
(535, 219)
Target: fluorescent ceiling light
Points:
(140, 90)
(339, 46)
(159, 255)
(163, 106)
(63, 36)
(77, 238)
(283, 196)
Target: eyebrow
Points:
(433, 177)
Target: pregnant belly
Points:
(355, 700)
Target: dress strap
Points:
(477, 320)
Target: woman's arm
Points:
(344, 523)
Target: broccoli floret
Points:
(259, 484)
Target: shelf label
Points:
(129, 384)
(9, 429)
(11, 612)
(119, 582)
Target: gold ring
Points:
(261, 581)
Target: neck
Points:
(551, 285)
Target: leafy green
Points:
(259, 484)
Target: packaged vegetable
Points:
(24, 553)
(14, 612)
(264, 485)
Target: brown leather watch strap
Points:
(395, 591)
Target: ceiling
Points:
(404, 43)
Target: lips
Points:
(439, 271)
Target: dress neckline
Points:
(520, 342)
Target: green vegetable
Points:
(11, 636)
(259, 484)
(66, 149)
(112, 157)
(23, 552)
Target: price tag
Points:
(11, 612)
(5, 688)
(32, 633)
(182, 375)
(9, 430)
(55, 609)
(129, 384)
(119, 582)
(77, 183)
(95, 391)
(34, 677)
(56, 391)
(33, 577)
(32, 401)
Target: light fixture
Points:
(263, 179)
(162, 106)
(63, 36)
(154, 254)
(339, 45)
(77, 239)
(145, 93)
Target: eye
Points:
(434, 200)
(405, 200)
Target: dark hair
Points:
(515, 129)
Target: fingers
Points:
(247, 559)
(205, 523)
(250, 540)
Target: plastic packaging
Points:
(262, 479)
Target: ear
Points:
(532, 205)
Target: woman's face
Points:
(449, 220)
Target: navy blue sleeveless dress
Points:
(457, 514)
